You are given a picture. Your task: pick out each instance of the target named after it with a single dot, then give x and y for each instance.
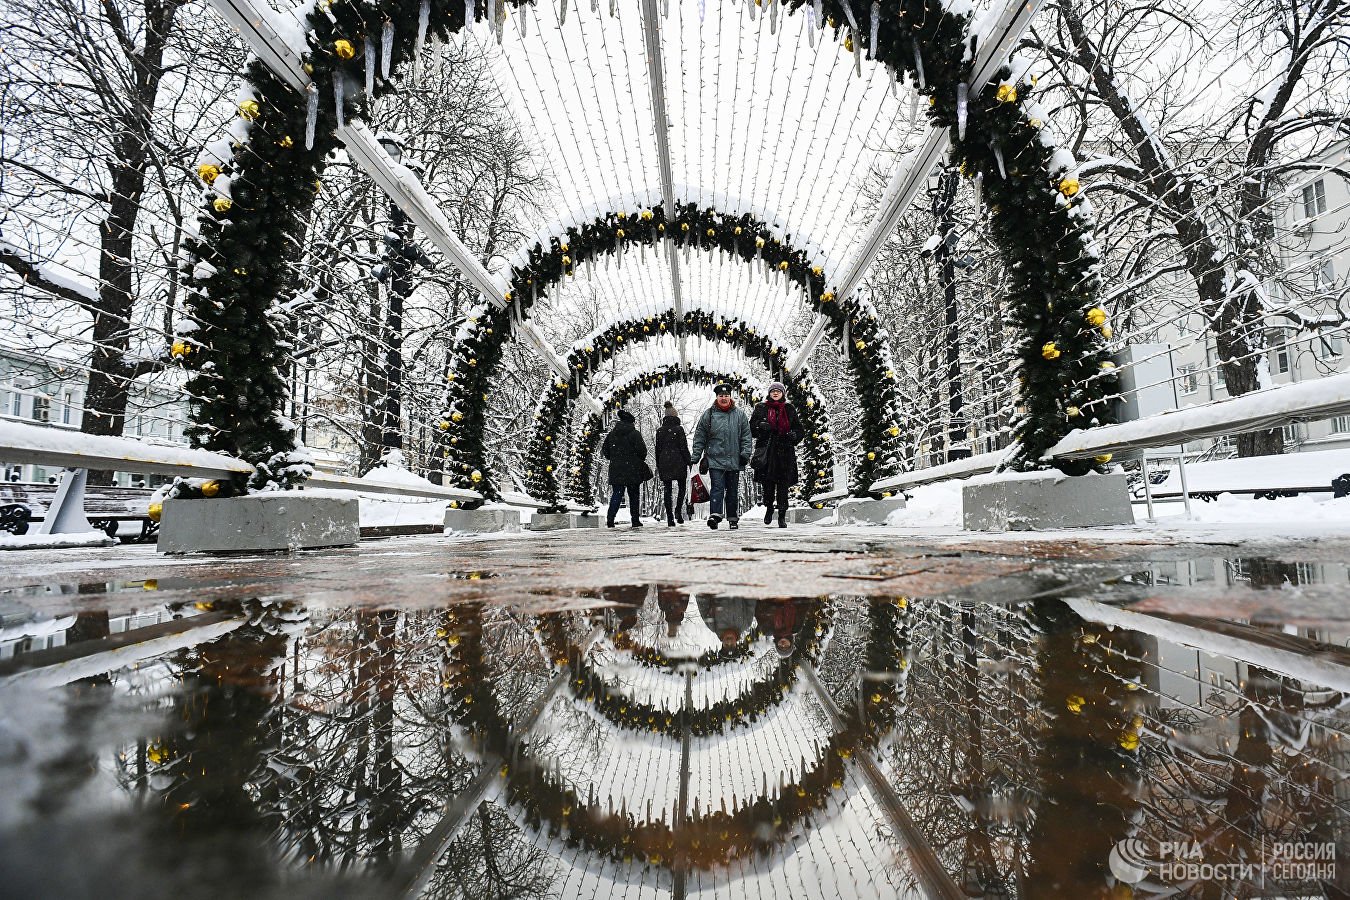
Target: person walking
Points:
(778, 430)
(627, 454)
(673, 461)
(722, 441)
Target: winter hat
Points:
(722, 390)
(626, 416)
(777, 386)
(670, 408)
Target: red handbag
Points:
(698, 491)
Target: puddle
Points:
(658, 743)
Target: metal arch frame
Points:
(255, 25)
(905, 183)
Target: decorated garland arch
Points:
(816, 459)
(708, 838)
(260, 182)
(553, 410)
(590, 687)
(740, 236)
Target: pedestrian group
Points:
(725, 442)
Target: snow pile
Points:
(1272, 516)
(52, 541)
(935, 505)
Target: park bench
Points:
(23, 504)
(1263, 477)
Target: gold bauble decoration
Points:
(457, 416)
(1072, 412)
(343, 48)
(1107, 364)
(619, 233)
(443, 425)
(450, 377)
(893, 431)
(1007, 93)
(208, 172)
(154, 511)
(711, 232)
(249, 110)
(783, 266)
(827, 297)
(871, 455)
(1068, 187)
(1107, 332)
(759, 242)
(1050, 351)
(848, 42)
(820, 473)
(646, 215)
(738, 230)
(684, 226)
(454, 504)
(222, 204)
(1096, 316)
(860, 344)
(1075, 703)
(1103, 459)
(180, 349)
(475, 476)
(286, 142)
(567, 260)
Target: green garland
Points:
(708, 839)
(623, 642)
(729, 713)
(554, 407)
(237, 279)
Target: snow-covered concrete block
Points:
(286, 520)
(585, 520)
(542, 521)
(861, 511)
(1045, 500)
(804, 515)
(481, 521)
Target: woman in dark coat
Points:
(627, 454)
(777, 430)
(672, 460)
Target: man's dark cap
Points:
(722, 390)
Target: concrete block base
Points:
(855, 511)
(258, 522)
(585, 521)
(805, 515)
(482, 521)
(1045, 501)
(550, 521)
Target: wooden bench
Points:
(25, 503)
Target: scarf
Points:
(778, 416)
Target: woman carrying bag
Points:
(627, 454)
(672, 462)
(777, 430)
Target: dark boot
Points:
(782, 518)
(670, 521)
(768, 514)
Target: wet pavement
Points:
(757, 714)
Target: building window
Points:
(1187, 378)
(16, 401)
(1340, 425)
(67, 401)
(1329, 346)
(1314, 199)
(1290, 433)
(1280, 354)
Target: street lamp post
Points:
(401, 254)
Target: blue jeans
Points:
(725, 483)
(616, 499)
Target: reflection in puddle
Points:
(663, 744)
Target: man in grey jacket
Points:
(723, 434)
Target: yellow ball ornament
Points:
(619, 233)
(457, 416)
(893, 431)
(1050, 351)
(211, 488)
(827, 297)
(1072, 412)
(286, 142)
(1069, 187)
(783, 266)
(443, 425)
(180, 349)
(154, 511)
(208, 172)
(1096, 316)
(249, 110)
(1007, 93)
(475, 476)
(1103, 459)
(222, 204)
(343, 48)
(871, 455)
(860, 344)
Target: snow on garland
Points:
(261, 180)
(588, 354)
